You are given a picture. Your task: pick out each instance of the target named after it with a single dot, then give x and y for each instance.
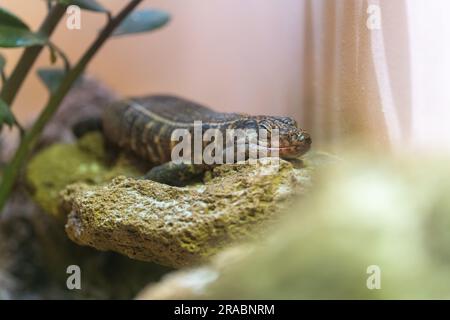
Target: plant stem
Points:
(13, 169)
(29, 56)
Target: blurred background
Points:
(316, 60)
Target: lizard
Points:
(144, 126)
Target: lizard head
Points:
(293, 141)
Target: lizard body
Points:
(145, 125)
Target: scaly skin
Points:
(144, 126)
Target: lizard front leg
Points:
(87, 125)
(176, 174)
(180, 174)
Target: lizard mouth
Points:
(285, 152)
(293, 151)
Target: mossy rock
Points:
(111, 210)
(179, 227)
(59, 165)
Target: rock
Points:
(86, 100)
(14, 254)
(34, 249)
(193, 283)
(179, 227)
(373, 227)
(35, 253)
(59, 165)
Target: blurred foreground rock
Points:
(194, 283)
(371, 221)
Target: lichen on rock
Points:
(178, 227)
(59, 165)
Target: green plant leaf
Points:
(15, 33)
(6, 116)
(90, 5)
(142, 21)
(11, 37)
(52, 78)
(10, 20)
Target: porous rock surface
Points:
(179, 227)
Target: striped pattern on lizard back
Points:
(145, 125)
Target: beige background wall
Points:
(312, 59)
(232, 55)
